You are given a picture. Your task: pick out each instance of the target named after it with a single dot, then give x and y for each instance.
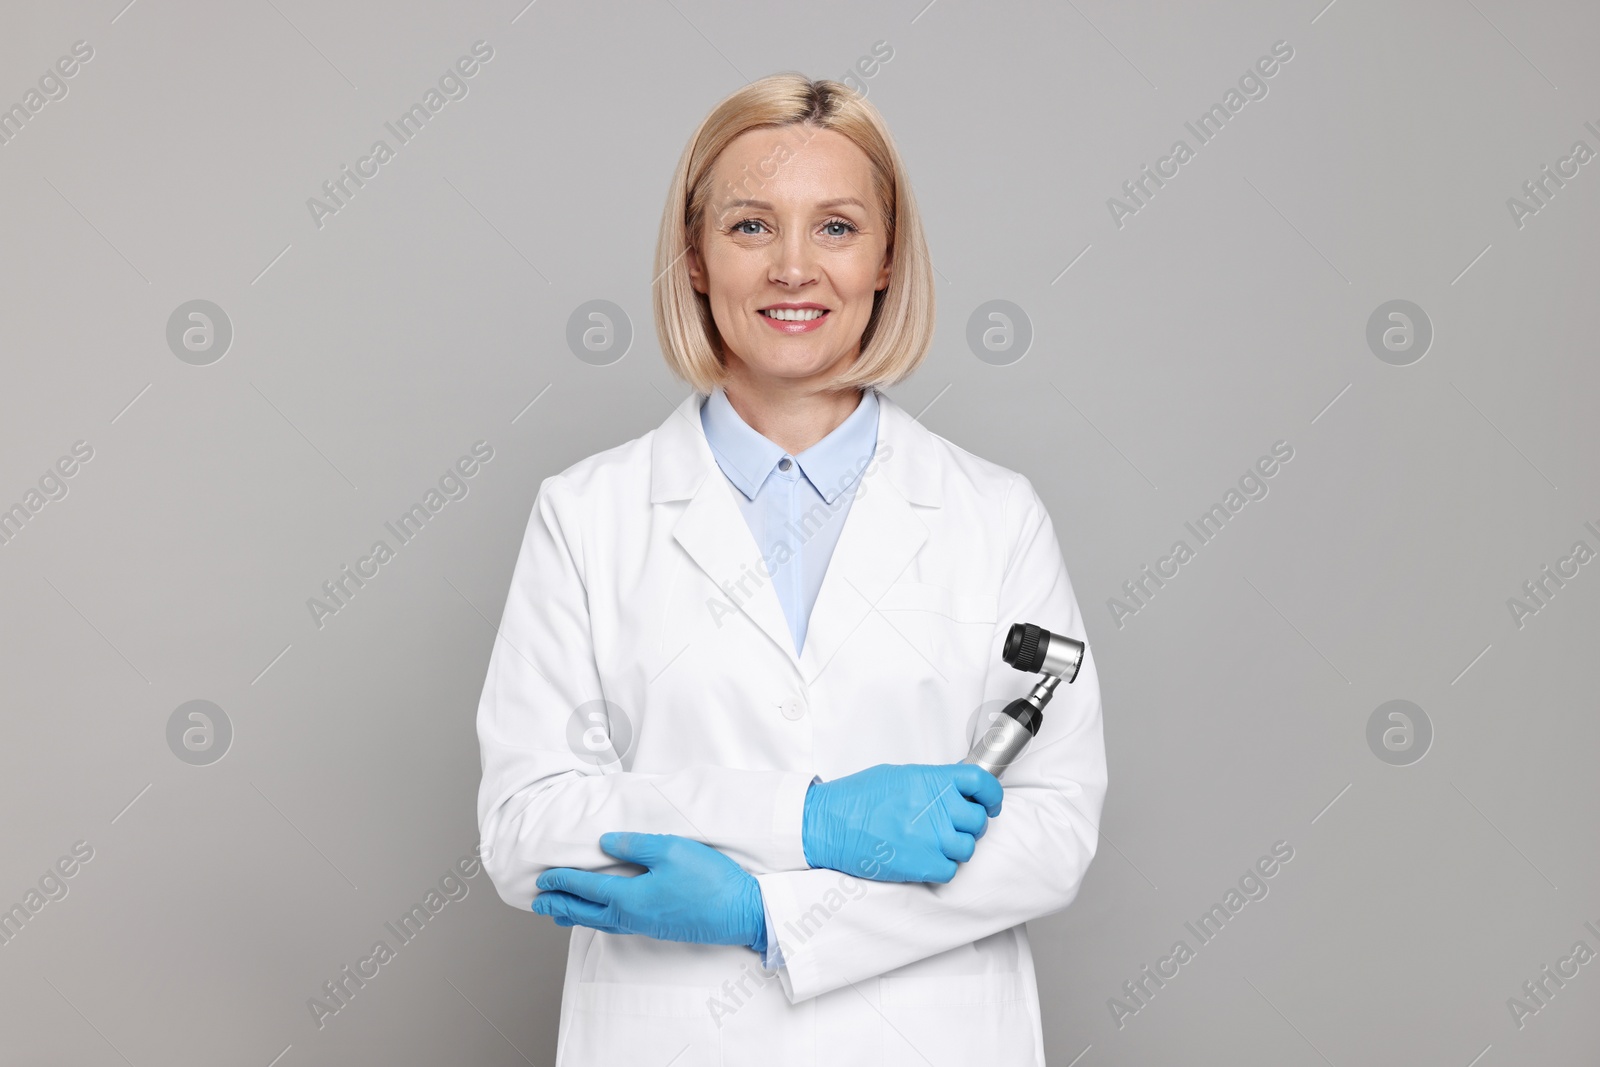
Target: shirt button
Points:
(783, 464)
(793, 708)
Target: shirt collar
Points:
(747, 458)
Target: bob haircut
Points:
(900, 328)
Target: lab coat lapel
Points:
(711, 529)
(715, 534)
(881, 534)
(882, 531)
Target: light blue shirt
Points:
(795, 505)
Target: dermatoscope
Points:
(1028, 648)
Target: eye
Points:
(849, 227)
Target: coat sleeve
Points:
(543, 800)
(827, 929)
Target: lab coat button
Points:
(793, 708)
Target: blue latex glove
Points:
(690, 892)
(899, 822)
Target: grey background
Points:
(369, 354)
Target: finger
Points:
(597, 887)
(980, 785)
(937, 800)
(969, 818)
(575, 909)
(644, 849)
(567, 910)
(941, 870)
(955, 844)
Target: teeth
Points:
(794, 314)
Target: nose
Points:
(794, 261)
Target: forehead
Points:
(795, 165)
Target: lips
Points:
(796, 320)
(806, 314)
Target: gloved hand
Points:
(690, 892)
(899, 822)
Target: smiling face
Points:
(790, 263)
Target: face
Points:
(810, 235)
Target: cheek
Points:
(860, 277)
(731, 279)
(730, 314)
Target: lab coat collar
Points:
(881, 535)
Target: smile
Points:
(795, 314)
(794, 320)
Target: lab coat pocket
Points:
(635, 1023)
(956, 605)
(959, 1020)
(949, 629)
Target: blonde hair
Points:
(900, 329)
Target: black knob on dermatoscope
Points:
(1032, 648)
(1024, 648)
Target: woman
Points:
(743, 654)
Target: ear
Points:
(697, 270)
(887, 271)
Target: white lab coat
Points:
(627, 589)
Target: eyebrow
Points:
(763, 205)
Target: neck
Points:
(792, 415)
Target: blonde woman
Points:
(743, 654)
